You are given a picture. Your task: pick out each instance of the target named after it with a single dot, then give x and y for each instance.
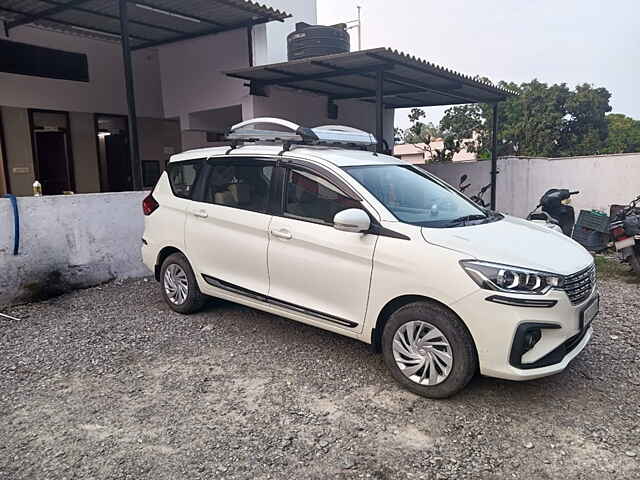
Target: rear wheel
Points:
(179, 287)
(428, 350)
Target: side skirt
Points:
(215, 282)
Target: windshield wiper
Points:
(467, 218)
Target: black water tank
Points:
(317, 40)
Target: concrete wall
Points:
(18, 145)
(4, 188)
(70, 242)
(105, 91)
(192, 74)
(85, 152)
(159, 139)
(602, 180)
(311, 110)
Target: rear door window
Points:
(240, 183)
(183, 175)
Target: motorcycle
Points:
(461, 186)
(478, 198)
(621, 227)
(625, 233)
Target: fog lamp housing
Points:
(527, 335)
(531, 337)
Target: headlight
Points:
(493, 276)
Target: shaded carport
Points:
(137, 25)
(381, 76)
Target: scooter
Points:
(556, 212)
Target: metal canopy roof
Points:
(151, 22)
(407, 81)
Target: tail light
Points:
(618, 232)
(149, 205)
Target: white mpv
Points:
(308, 224)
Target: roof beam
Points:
(443, 75)
(424, 87)
(456, 83)
(317, 76)
(302, 89)
(115, 17)
(387, 93)
(176, 12)
(328, 82)
(79, 27)
(32, 17)
(202, 33)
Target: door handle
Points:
(200, 214)
(282, 233)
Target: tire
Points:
(634, 260)
(176, 276)
(443, 331)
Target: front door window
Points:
(312, 198)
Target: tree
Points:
(423, 134)
(587, 129)
(542, 120)
(624, 134)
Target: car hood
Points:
(514, 241)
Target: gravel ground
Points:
(109, 383)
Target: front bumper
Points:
(497, 329)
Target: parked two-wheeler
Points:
(461, 185)
(556, 212)
(622, 227)
(478, 197)
(625, 233)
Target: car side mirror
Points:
(353, 220)
(463, 178)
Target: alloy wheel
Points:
(422, 353)
(176, 284)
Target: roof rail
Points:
(296, 134)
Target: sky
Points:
(555, 41)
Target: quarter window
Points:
(182, 177)
(244, 185)
(310, 197)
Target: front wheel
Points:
(428, 350)
(179, 287)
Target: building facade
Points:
(72, 133)
(420, 153)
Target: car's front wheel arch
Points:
(395, 304)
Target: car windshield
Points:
(416, 198)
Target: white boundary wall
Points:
(69, 242)
(602, 180)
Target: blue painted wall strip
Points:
(16, 223)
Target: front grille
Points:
(580, 285)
